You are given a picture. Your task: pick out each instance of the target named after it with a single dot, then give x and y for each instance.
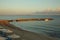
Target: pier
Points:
(30, 19)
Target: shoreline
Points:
(25, 35)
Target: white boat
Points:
(46, 20)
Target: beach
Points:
(24, 35)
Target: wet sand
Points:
(24, 35)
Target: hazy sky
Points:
(28, 5)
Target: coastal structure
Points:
(30, 19)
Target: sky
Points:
(27, 6)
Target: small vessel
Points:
(46, 20)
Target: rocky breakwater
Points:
(4, 22)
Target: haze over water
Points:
(24, 7)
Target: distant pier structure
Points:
(30, 19)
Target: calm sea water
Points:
(50, 28)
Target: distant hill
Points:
(47, 13)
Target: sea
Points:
(50, 28)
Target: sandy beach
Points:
(24, 35)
